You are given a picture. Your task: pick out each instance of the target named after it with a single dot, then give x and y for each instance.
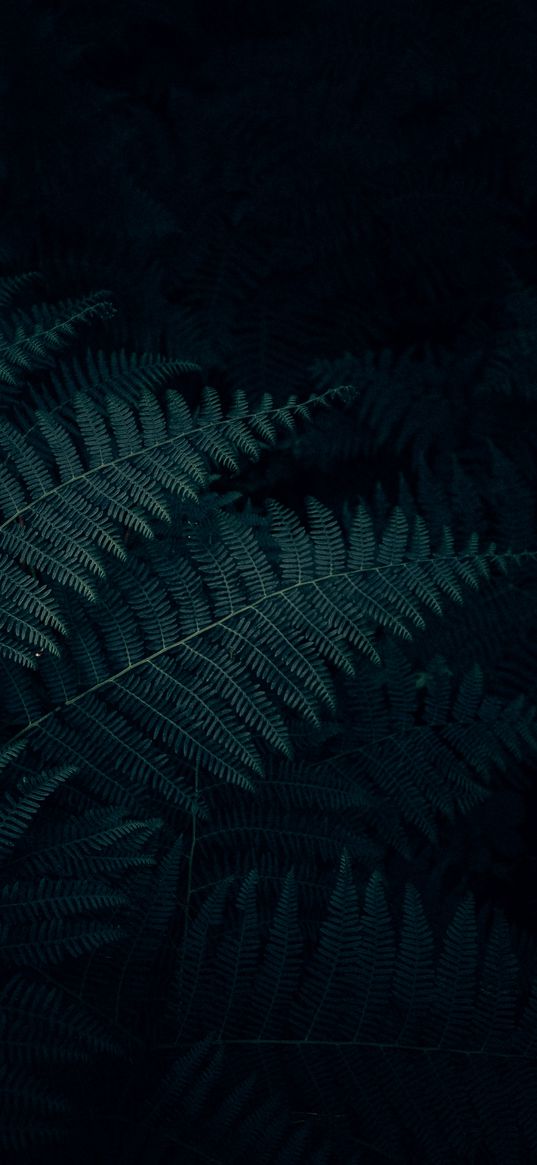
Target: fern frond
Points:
(19, 810)
(44, 1026)
(422, 743)
(407, 1041)
(98, 374)
(196, 661)
(97, 842)
(42, 921)
(39, 334)
(71, 493)
(31, 1113)
(50, 941)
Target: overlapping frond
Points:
(75, 489)
(202, 656)
(410, 1041)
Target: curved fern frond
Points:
(199, 658)
(99, 374)
(70, 494)
(19, 811)
(37, 335)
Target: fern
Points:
(38, 1012)
(419, 1046)
(97, 374)
(195, 662)
(98, 842)
(45, 920)
(268, 689)
(63, 493)
(205, 704)
(32, 338)
(409, 748)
